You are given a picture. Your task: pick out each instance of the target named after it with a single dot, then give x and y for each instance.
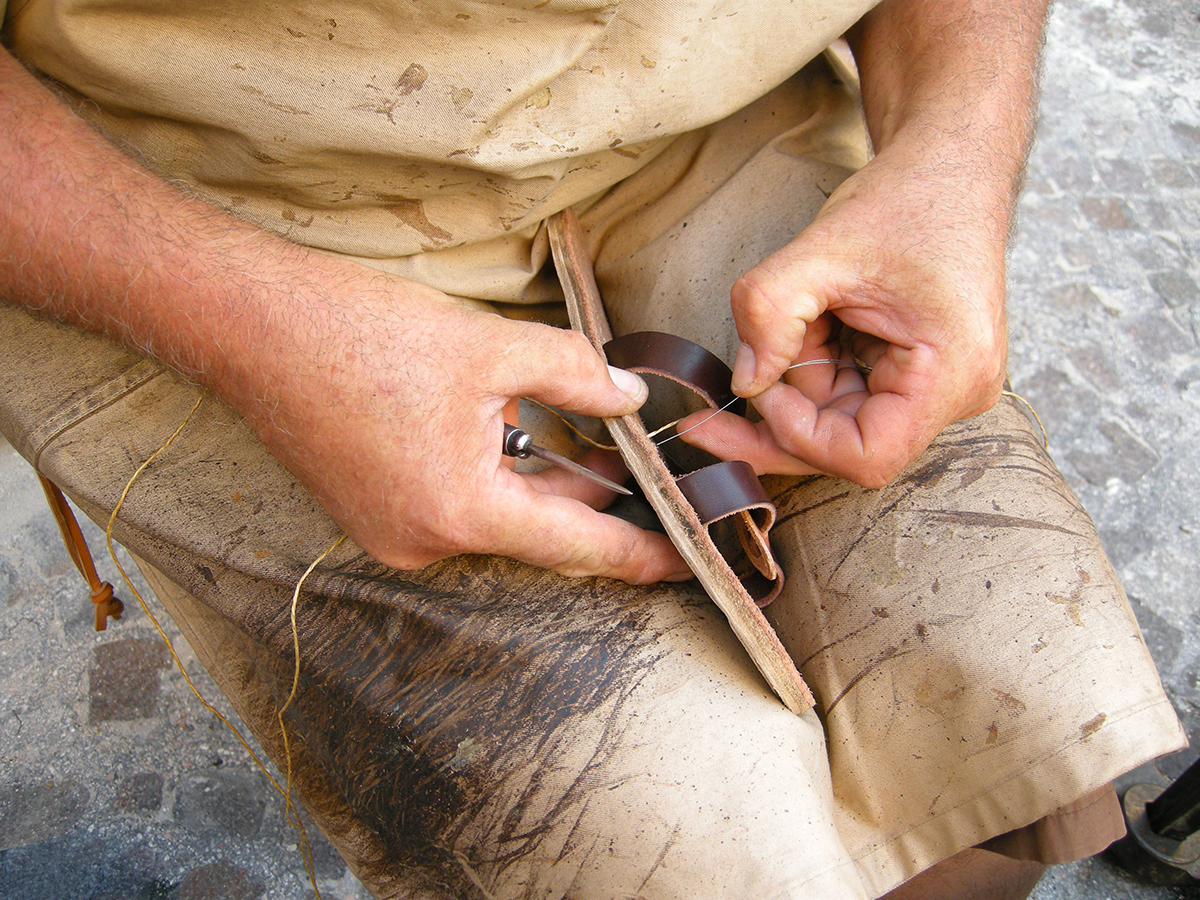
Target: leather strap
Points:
(106, 605)
(679, 516)
(680, 360)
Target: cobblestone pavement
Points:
(139, 793)
(1105, 324)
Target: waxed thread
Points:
(652, 434)
(293, 815)
(293, 819)
(857, 364)
(1032, 412)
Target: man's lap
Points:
(477, 714)
(543, 732)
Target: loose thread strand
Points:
(570, 426)
(306, 851)
(473, 875)
(1032, 412)
(291, 813)
(652, 434)
(817, 362)
(710, 416)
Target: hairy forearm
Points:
(92, 238)
(959, 78)
(384, 397)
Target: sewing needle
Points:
(519, 444)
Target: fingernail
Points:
(743, 368)
(630, 384)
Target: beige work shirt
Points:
(427, 139)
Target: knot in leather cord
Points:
(106, 605)
(102, 592)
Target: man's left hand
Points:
(906, 255)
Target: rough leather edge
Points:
(676, 514)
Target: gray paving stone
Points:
(124, 679)
(142, 792)
(1107, 212)
(219, 881)
(10, 584)
(39, 541)
(1176, 287)
(85, 866)
(1156, 335)
(1125, 457)
(229, 801)
(35, 811)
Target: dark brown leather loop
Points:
(680, 360)
(723, 489)
(731, 488)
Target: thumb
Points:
(562, 368)
(772, 308)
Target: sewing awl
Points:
(520, 444)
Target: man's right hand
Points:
(390, 408)
(384, 397)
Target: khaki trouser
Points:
(483, 726)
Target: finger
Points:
(728, 436)
(824, 369)
(511, 416)
(772, 309)
(868, 350)
(866, 439)
(561, 368)
(564, 535)
(829, 383)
